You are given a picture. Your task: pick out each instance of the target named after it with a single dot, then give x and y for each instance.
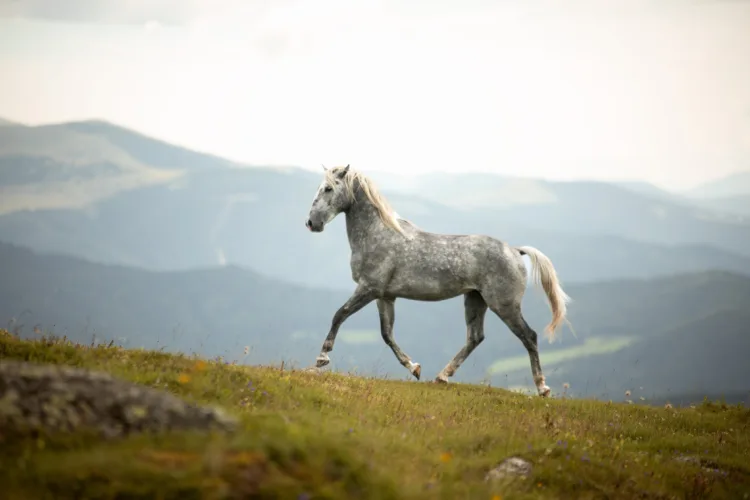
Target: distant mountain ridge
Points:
(630, 333)
(112, 195)
(191, 251)
(254, 218)
(737, 204)
(733, 185)
(149, 150)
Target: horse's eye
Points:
(328, 189)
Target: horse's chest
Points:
(356, 264)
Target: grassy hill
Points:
(310, 435)
(627, 330)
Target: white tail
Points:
(543, 271)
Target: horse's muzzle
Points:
(312, 227)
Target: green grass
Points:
(336, 436)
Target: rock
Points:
(38, 397)
(513, 466)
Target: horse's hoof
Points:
(416, 370)
(441, 380)
(544, 391)
(321, 361)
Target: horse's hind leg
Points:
(510, 314)
(474, 310)
(387, 313)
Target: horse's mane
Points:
(354, 178)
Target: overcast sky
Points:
(621, 89)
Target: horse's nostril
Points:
(308, 223)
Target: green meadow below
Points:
(306, 435)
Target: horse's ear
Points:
(324, 168)
(344, 171)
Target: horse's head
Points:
(332, 198)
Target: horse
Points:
(392, 258)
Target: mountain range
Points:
(110, 195)
(111, 232)
(676, 334)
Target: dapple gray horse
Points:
(391, 258)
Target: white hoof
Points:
(416, 370)
(322, 360)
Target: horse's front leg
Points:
(387, 313)
(362, 296)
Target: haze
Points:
(637, 90)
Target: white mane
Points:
(387, 214)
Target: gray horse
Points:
(392, 258)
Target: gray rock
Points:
(509, 467)
(39, 397)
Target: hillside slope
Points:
(149, 150)
(220, 311)
(306, 435)
(58, 167)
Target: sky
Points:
(567, 89)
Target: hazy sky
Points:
(625, 89)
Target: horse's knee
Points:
(477, 338)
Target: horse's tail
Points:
(543, 270)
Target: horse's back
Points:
(433, 266)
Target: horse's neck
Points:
(362, 220)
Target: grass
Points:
(329, 435)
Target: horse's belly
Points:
(429, 287)
(427, 296)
